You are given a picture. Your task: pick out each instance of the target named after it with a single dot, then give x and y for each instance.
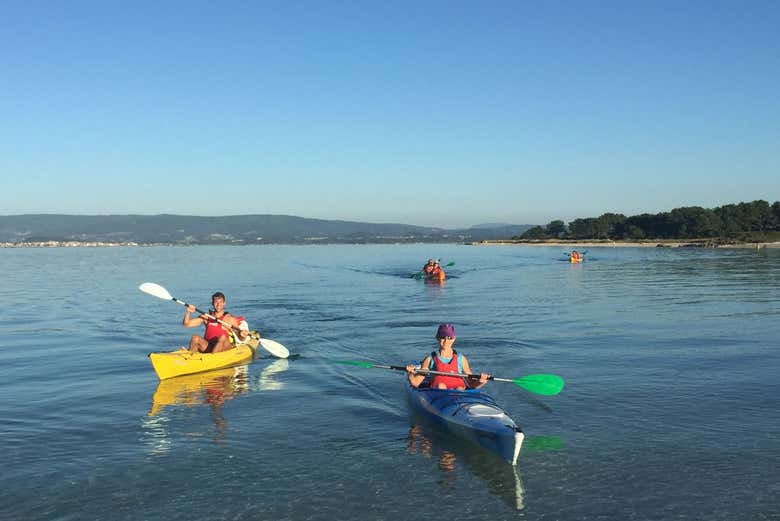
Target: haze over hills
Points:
(236, 229)
(484, 226)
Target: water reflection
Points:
(419, 443)
(502, 479)
(542, 443)
(435, 282)
(212, 388)
(267, 380)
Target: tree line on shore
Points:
(756, 220)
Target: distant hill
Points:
(494, 225)
(237, 229)
(490, 231)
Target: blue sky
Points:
(432, 113)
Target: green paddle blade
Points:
(544, 384)
(354, 362)
(451, 263)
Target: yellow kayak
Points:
(181, 362)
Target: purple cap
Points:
(445, 330)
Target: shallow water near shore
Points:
(669, 412)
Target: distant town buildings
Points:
(64, 244)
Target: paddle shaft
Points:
(544, 384)
(205, 314)
(427, 371)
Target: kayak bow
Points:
(470, 415)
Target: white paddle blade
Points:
(155, 290)
(275, 348)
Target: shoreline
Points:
(693, 243)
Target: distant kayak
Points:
(439, 277)
(470, 415)
(575, 257)
(432, 272)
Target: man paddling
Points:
(217, 336)
(447, 360)
(428, 268)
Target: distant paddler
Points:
(428, 268)
(437, 273)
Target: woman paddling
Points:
(447, 360)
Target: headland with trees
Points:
(728, 225)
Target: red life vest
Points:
(214, 329)
(451, 382)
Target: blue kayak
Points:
(471, 415)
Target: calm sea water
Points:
(671, 409)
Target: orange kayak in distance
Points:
(439, 277)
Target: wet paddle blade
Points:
(155, 290)
(275, 348)
(544, 384)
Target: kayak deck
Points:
(471, 415)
